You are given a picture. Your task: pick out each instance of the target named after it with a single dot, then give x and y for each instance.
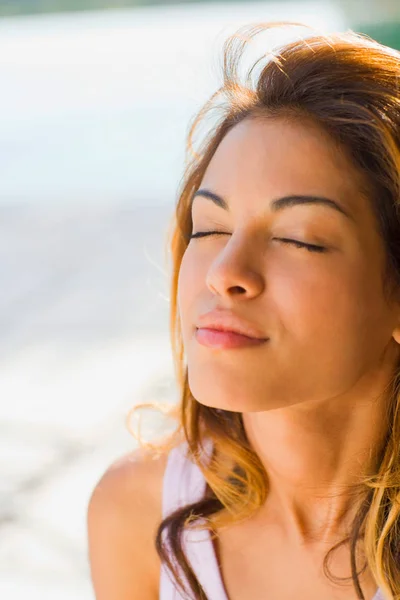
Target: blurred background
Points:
(96, 99)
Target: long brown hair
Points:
(349, 85)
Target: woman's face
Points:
(328, 326)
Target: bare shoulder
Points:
(124, 511)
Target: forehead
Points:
(272, 157)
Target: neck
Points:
(315, 459)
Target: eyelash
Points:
(297, 243)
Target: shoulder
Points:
(135, 478)
(124, 511)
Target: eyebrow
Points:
(279, 203)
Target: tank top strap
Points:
(184, 484)
(183, 480)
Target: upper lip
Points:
(226, 320)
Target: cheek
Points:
(313, 301)
(335, 314)
(187, 272)
(190, 281)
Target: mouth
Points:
(222, 339)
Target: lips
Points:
(228, 322)
(223, 340)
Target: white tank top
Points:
(184, 483)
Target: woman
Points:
(283, 478)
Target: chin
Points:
(230, 402)
(244, 407)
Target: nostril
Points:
(239, 289)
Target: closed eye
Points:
(206, 233)
(297, 243)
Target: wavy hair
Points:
(349, 85)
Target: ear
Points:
(396, 334)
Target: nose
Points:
(236, 270)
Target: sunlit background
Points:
(96, 99)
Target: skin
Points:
(312, 397)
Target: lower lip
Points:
(214, 338)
